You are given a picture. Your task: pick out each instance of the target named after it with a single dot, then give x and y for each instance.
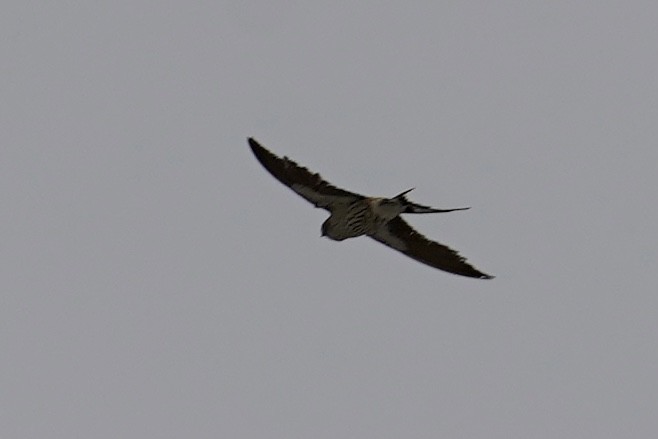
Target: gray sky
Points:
(158, 283)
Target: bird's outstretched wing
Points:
(401, 236)
(306, 183)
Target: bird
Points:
(353, 215)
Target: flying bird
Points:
(355, 215)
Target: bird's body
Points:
(349, 221)
(353, 215)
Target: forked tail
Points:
(410, 207)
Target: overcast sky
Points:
(158, 283)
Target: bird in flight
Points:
(355, 215)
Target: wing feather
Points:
(309, 185)
(399, 235)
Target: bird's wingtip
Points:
(255, 146)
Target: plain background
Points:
(158, 283)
